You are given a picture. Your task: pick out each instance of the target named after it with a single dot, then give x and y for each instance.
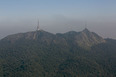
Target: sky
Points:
(58, 16)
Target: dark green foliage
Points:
(49, 55)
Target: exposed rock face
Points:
(87, 38)
(84, 38)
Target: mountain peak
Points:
(87, 38)
(32, 35)
(83, 38)
(85, 30)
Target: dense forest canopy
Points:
(43, 54)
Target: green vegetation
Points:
(42, 54)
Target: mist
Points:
(58, 16)
(105, 27)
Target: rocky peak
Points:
(87, 38)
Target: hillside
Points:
(43, 54)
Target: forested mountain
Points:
(43, 54)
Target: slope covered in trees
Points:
(43, 54)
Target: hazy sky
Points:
(58, 16)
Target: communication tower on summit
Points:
(85, 24)
(38, 28)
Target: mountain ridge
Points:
(43, 54)
(82, 38)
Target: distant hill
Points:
(71, 54)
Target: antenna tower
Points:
(38, 26)
(85, 25)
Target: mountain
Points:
(71, 54)
(83, 38)
(34, 35)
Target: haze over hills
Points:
(43, 54)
